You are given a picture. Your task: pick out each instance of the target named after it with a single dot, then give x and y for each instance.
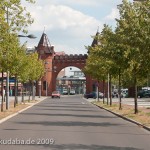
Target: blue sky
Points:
(69, 24)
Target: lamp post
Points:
(139, 0)
(31, 36)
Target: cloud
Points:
(81, 2)
(69, 49)
(68, 2)
(114, 14)
(60, 17)
(69, 24)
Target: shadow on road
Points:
(85, 147)
(90, 147)
(70, 115)
(69, 123)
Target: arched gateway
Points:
(55, 63)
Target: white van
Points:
(65, 92)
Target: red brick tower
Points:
(46, 53)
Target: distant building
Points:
(78, 73)
(75, 81)
(30, 50)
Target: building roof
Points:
(44, 42)
(95, 41)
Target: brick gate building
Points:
(55, 63)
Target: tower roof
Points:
(44, 42)
(95, 41)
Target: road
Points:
(71, 123)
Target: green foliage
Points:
(127, 48)
(134, 27)
(36, 67)
(16, 15)
(13, 19)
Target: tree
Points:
(95, 67)
(3, 33)
(134, 28)
(18, 17)
(100, 58)
(13, 19)
(36, 72)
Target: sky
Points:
(70, 24)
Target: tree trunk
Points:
(103, 91)
(30, 88)
(135, 95)
(119, 91)
(2, 93)
(98, 91)
(17, 92)
(15, 101)
(22, 92)
(110, 90)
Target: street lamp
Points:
(139, 0)
(31, 36)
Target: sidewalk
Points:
(11, 98)
(6, 114)
(142, 102)
(142, 119)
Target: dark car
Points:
(141, 93)
(147, 93)
(90, 95)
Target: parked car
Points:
(101, 95)
(72, 92)
(143, 93)
(65, 92)
(147, 93)
(90, 95)
(55, 94)
(114, 94)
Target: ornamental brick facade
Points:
(55, 63)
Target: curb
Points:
(125, 118)
(12, 115)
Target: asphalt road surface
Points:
(70, 123)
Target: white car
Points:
(101, 95)
(72, 92)
(65, 92)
